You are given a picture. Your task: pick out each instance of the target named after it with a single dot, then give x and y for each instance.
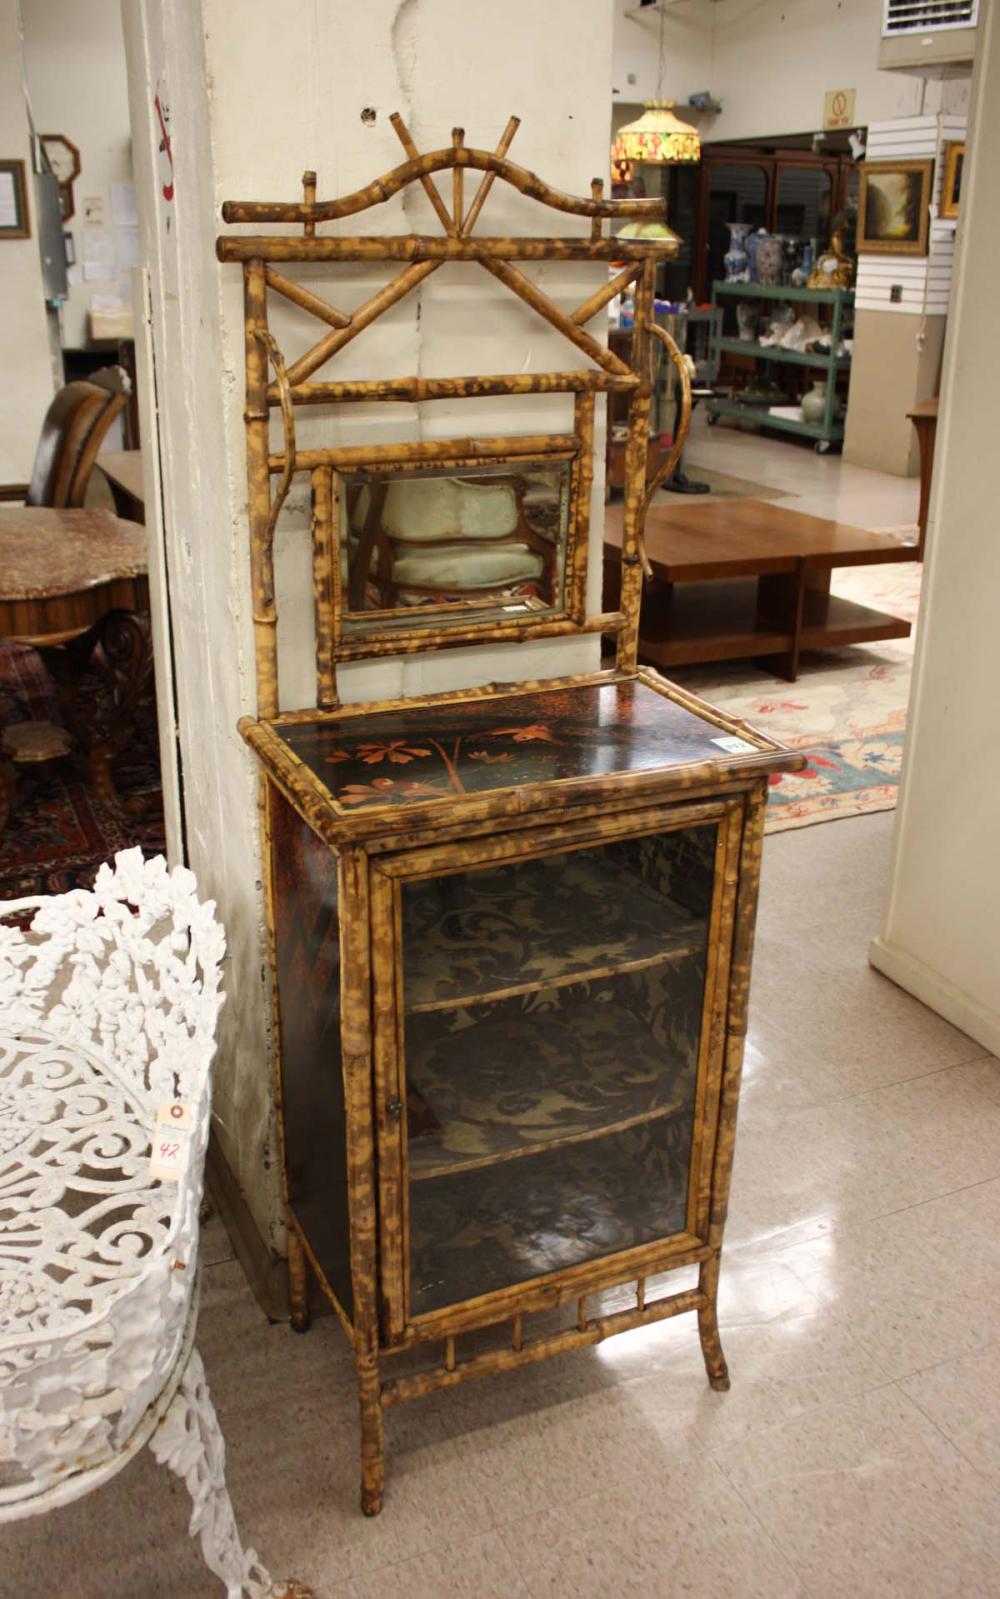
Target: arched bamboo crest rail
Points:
(293, 386)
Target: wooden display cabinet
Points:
(511, 926)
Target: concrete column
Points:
(253, 95)
(27, 356)
(940, 935)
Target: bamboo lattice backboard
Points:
(272, 383)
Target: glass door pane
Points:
(551, 1038)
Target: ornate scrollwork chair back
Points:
(109, 1001)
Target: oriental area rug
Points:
(846, 712)
(58, 832)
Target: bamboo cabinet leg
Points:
(736, 1026)
(356, 1039)
(708, 1325)
(298, 1283)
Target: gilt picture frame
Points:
(894, 207)
(951, 180)
(14, 223)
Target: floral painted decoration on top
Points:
(399, 752)
(582, 732)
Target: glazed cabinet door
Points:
(549, 1026)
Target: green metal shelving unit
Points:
(828, 431)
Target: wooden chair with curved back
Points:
(75, 427)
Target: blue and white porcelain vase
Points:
(735, 260)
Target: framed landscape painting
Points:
(894, 207)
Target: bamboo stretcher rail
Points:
(409, 643)
(421, 167)
(556, 446)
(413, 247)
(556, 1288)
(417, 389)
(593, 1331)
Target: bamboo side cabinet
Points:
(511, 938)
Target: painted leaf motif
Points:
(397, 751)
(535, 731)
(387, 788)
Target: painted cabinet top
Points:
(584, 735)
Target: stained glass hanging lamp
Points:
(658, 136)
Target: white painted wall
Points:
(27, 363)
(256, 96)
(74, 59)
(940, 935)
(770, 62)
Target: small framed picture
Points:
(13, 201)
(951, 182)
(894, 207)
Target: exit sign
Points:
(838, 108)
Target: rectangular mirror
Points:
(424, 547)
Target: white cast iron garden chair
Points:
(108, 1010)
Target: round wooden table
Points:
(70, 580)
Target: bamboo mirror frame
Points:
(271, 383)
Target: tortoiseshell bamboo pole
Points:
(397, 1389)
(738, 989)
(636, 447)
(421, 167)
(578, 554)
(596, 193)
(308, 201)
(356, 1058)
(457, 140)
(478, 633)
(420, 389)
(666, 470)
(426, 181)
(412, 247)
(547, 446)
(326, 584)
(298, 1282)
(516, 281)
(361, 319)
(307, 301)
(486, 182)
(601, 297)
(265, 619)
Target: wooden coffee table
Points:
(738, 579)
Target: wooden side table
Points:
(924, 418)
(70, 580)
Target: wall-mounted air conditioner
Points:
(932, 38)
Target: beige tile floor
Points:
(858, 1452)
(823, 485)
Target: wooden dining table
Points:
(71, 580)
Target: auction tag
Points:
(171, 1141)
(735, 746)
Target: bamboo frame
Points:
(420, 257)
(375, 851)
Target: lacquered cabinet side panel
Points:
(304, 900)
